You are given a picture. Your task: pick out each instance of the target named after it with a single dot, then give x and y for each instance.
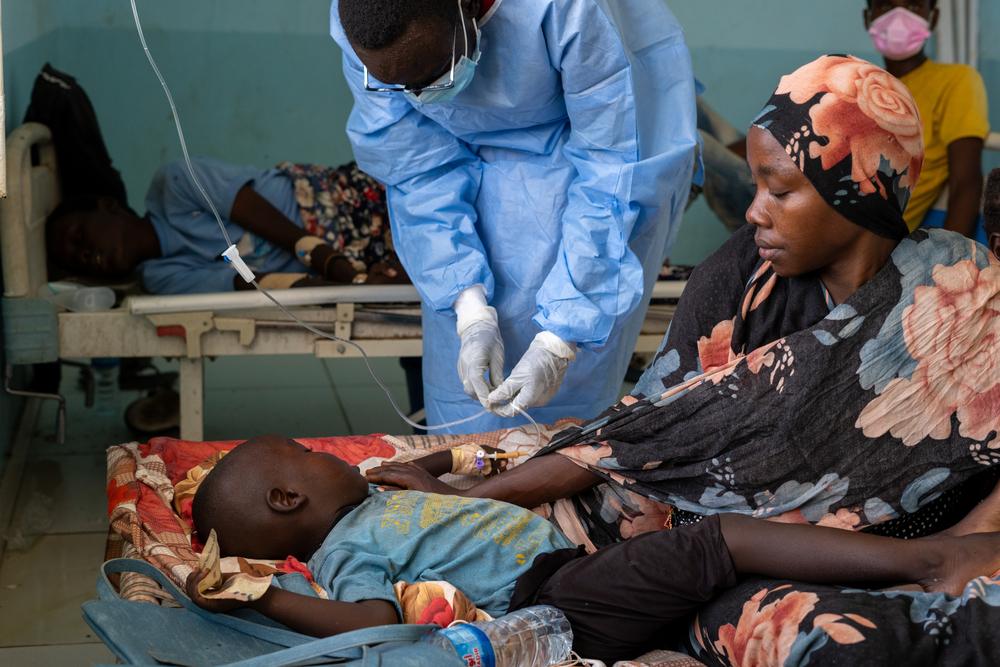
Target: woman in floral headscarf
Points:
(822, 366)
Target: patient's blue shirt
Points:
(479, 546)
(190, 237)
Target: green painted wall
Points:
(258, 81)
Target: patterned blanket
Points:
(759, 623)
(151, 486)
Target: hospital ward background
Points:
(260, 83)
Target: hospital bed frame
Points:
(384, 320)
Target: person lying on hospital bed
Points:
(272, 497)
(825, 365)
(295, 225)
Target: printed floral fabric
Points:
(436, 603)
(345, 207)
(854, 130)
(783, 624)
(767, 401)
(606, 514)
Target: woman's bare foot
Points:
(984, 517)
(959, 560)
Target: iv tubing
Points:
(282, 308)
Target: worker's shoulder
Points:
(625, 15)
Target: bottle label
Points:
(471, 644)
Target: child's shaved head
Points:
(272, 497)
(228, 499)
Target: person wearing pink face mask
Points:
(952, 102)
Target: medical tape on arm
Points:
(304, 247)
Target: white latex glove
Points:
(482, 346)
(536, 377)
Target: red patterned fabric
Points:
(179, 456)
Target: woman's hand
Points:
(215, 606)
(332, 265)
(408, 476)
(388, 272)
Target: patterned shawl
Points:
(763, 400)
(767, 399)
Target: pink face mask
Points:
(899, 34)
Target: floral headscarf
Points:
(854, 130)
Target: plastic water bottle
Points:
(105, 385)
(78, 299)
(92, 299)
(530, 637)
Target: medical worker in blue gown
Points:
(537, 156)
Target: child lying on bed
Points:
(272, 497)
(295, 225)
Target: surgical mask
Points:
(465, 70)
(899, 34)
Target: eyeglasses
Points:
(434, 86)
(405, 89)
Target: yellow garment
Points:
(952, 103)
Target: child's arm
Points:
(817, 554)
(321, 618)
(436, 464)
(302, 613)
(535, 482)
(442, 463)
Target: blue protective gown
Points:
(557, 180)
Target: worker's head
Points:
(991, 211)
(411, 43)
(272, 497)
(96, 237)
(834, 155)
(900, 28)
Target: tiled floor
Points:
(59, 525)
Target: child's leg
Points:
(830, 555)
(623, 598)
(983, 518)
